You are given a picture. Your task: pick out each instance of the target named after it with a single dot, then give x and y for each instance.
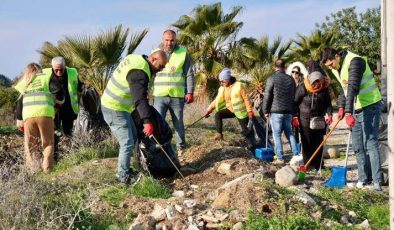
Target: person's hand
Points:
(349, 120)
(148, 129)
(296, 122)
(189, 98)
(329, 120)
(341, 111)
(19, 125)
(207, 113)
(251, 114)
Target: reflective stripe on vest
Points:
(239, 107)
(117, 94)
(171, 81)
(72, 85)
(38, 101)
(369, 92)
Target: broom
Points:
(302, 168)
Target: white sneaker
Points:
(296, 160)
(360, 184)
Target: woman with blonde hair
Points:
(35, 113)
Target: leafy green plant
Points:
(149, 187)
(114, 195)
(379, 216)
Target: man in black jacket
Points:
(357, 81)
(278, 105)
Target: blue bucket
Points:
(338, 177)
(265, 154)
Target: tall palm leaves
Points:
(256, 58)
(95, 57)
(310, 47)
(207, 33)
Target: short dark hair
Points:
(327, 54)
(280, 64)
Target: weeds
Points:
(149, 187)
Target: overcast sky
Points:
(26, 24)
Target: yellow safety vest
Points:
(237, 101)
(72, 76)
(38, 101)
(369, 92)
(117, 94)
(171, 81)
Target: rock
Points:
(178, 193)
(286, 177)
(365, 224)
(333, 153)
(143, 223)
(317, 215)
(305, 198)
(136, 227)
(179, 208)
(212, 195)
(213, 226)
(209, 219)
(192, 227)
(237, 226)
(221, 217)
(352, 214)
(170, 212)
(158, 212)
(344, 220)
(223, 200)
(226, 168)
(189, 203)
(250, 176)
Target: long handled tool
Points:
(338, 173)
(199, 119)
(168, 156)
(302, 168)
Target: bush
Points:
(379, 215)
(149, 187)
(8, 97)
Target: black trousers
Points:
(310, 140)
(66, 123)
(224, 114)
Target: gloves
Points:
(329, 120)
(340, 113)
(251, 114)
(189, 98)
(296, 122)
(148, 129)
(349, 120)
(19, 124)
(207, 113)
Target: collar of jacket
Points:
(342, 54)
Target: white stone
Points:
(333, 152)
(344, 220)
(209, 219)
(178, 193)
(192, 227)
(170, 212)
(189, 203)
(286, 177)
(237, 226)
(225, 168)
(365, 224)
(158, 212)
(179, 208)
(352, 214)
(305, 198)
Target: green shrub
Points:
(379, 216)
(149, 187)
(114, 195)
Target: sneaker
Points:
(377, 187)
(360, 184)
(296, 160)
(278, 162)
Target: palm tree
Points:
(95, 57)
(208, 33)
(256, 58)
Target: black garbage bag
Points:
(256, 134)
(150, 157)
(90, 120)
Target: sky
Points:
(26, 24)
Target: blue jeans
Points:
(282, 122)
(365, 144)
(175, 105)
(123, 127)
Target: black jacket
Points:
(356, 69)
(321, 103)
(138, 83)
(279, 94)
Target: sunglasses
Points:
(58, 70)
(295, 72)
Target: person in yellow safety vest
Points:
(356, 78)
(65, 115)
(232, 101)
(174, 85)
(35, 112)
(127, 90)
